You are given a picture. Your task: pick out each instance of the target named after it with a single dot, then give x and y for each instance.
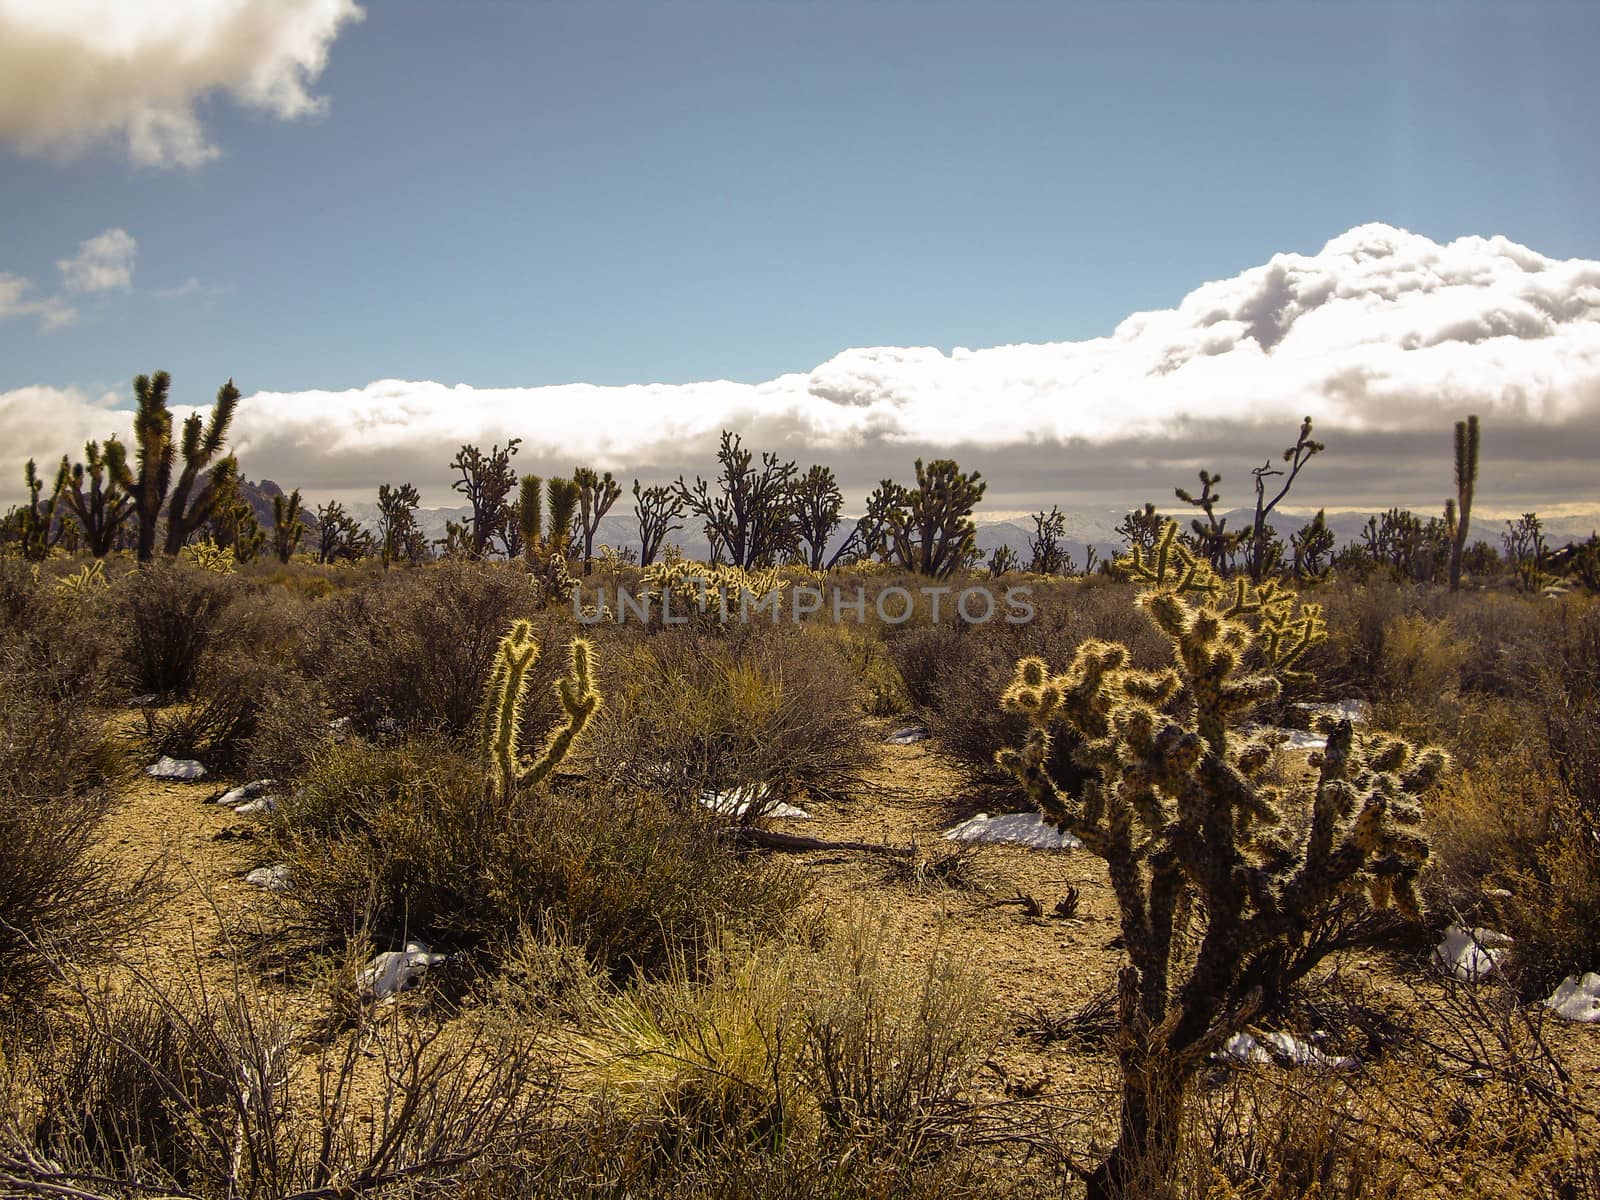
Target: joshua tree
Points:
(1219, 900)
(1047, 553)
(1210, 539)
(398, 534)
(870, 534)
(339, 535)
(596, 495)
(202, 442)
(562, 495)
(1312, 544)
(1466, 480)
(817, 504)
(930, 529)
(1257, 556)
(1142, 527)
(486, 480)
(1002, 559)
(287, 527)
(41, 529)
(153, 451)
(105, 507)
(657, 510)
(751, 519)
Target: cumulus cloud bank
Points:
(1385, 337)
(74, 72)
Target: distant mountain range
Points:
(1087, 527)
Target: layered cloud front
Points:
(77, 72)
(1384, 337)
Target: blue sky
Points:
(520, 193)
(509, 194)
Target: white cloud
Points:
(16, 301)
(103, 263)
(75, 72)
(1386, 338)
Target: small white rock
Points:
(1577, 999)
(274, 879)
(735, 802)
(907, 736)
(265, 804)
(1018, 829)
(394, 971)
(234, 797)
(1244, 1049)
(1471, 955)
(175, 768)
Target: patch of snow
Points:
(141, 700)
(908, 735)
(1244, 1049)
(274, 879)
(1577, 999)
(393, 971)
(265, 804)
(175, 768)
(1470, 954)
(234, 797)
(1019, 829)
(1287, 739)
(735, 802)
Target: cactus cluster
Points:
(706, 595)
(1214, 890)
(508, 769)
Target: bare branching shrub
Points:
(411, 652)
(191, 1089)
(168, 613)
(769, 712)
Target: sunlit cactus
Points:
(1213, 888)
(508, 768)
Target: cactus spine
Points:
(1215, 897)
(504, 762)
(1466, 480)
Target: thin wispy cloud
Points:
(103, 263)
(18, 298)
(1385, 337)
(77, 72)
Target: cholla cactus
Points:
(504, 762)
(1213, 892)
(83, 585)
(209, 556)
(709, 596)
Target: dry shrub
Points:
(402, 841)
(185, 1088)
(854, 1051)
(769, 710)
(58, 891)
(411, 651)
(168, 613)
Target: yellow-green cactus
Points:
(508, 769)
(1179, 803)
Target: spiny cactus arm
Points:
(580, 701)
(507, 689)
